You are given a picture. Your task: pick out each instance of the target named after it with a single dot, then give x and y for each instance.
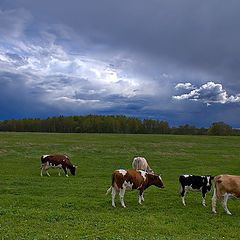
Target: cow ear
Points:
(211, 177)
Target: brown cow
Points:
(225, 186)
(132, 179)
(57, 161)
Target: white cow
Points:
(140, 163)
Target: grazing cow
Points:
(225, 186)
(132, 179)
(140, 163)
(195, 183)
(56, 161)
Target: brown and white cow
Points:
(140, 163)
(57, 161)
(225, 186)
(123, 180)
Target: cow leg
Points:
(46, 170)
(121, 194)
(224, 204)
(113, 196)
(214, 201)
(183, 194)
(59, 172)
(41, 171)
(140, 198)
(43, 168)
(203, 198)
(65, 170)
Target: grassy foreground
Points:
(34, 207)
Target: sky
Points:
(172, 60)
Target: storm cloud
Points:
(171, 60)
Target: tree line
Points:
(110, 124)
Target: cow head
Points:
(157, 181)
(72, 170)
(149, 170)
(208, 182)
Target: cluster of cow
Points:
(142, 176)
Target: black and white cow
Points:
(195, 183)
(57, 161)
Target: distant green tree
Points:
(110, 124)
(220, 129)
(163, 127)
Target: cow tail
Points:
(108, 191)
(110, 188)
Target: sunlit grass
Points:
(34, 207)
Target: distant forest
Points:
(110, 124)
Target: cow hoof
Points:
(214, 212)
(228, 213)
(124, 206)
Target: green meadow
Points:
(34, 207)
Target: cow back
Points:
(56, 160)
(131, 177)
(140, 163)
(227, 184)
(196, 182)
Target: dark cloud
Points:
(198, 35)
(15, 98)
(122, 57)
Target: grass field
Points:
(34, 207)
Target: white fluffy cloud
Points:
(186, 86)
(207, 93)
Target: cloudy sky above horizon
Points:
(170, 60)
